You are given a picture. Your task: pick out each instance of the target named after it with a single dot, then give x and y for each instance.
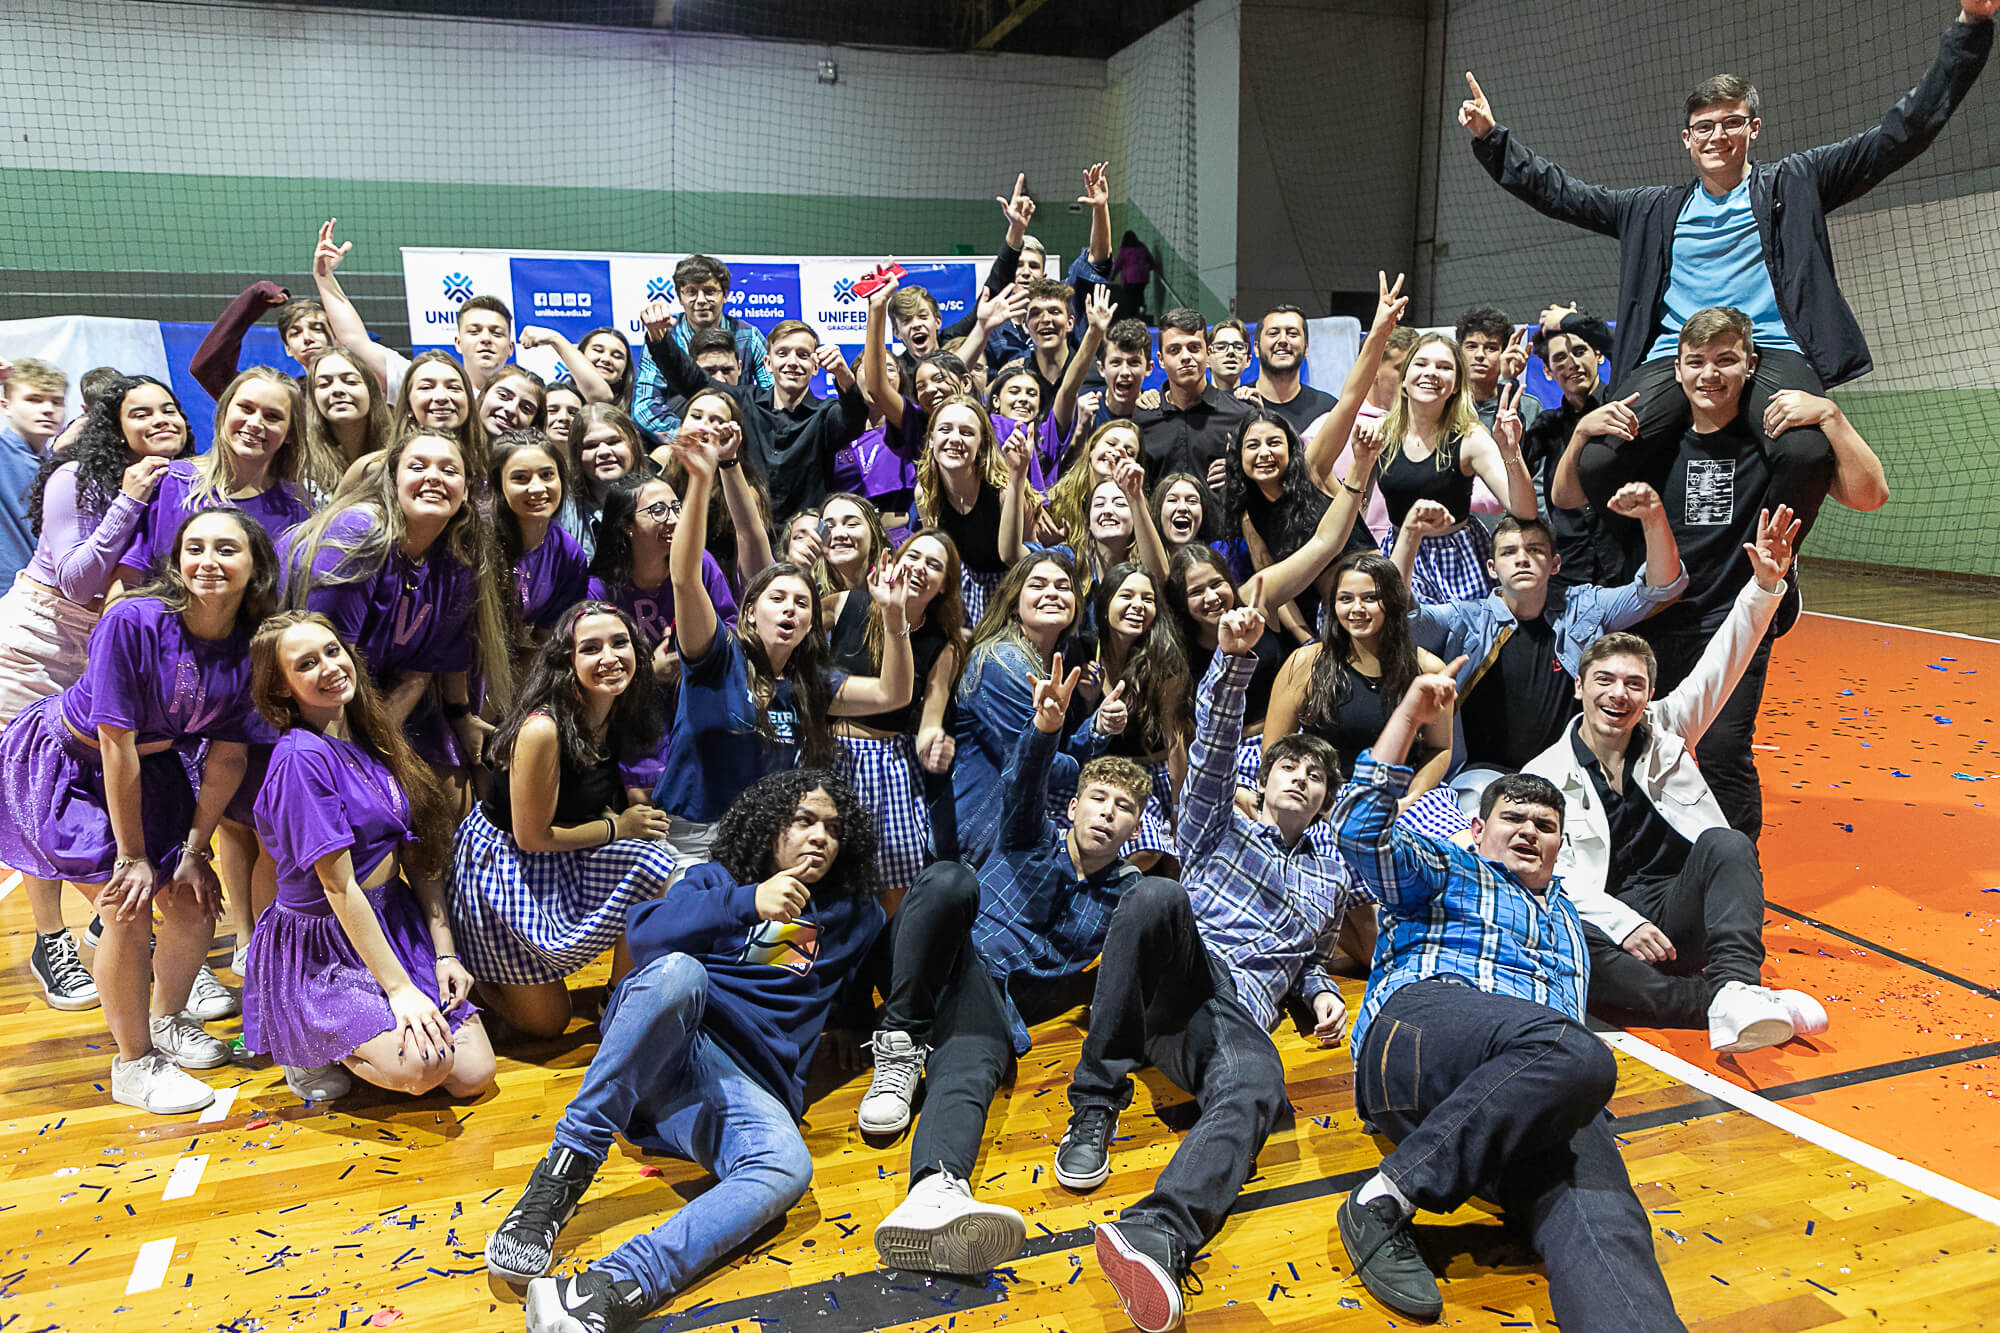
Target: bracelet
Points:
(610, 830)
(197, 851)
(124, 861)
(441, 957)
(730, 462)
(1352, 490)
(453, 712)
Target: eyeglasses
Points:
(1231, 349)
(662, 510)
(1708, 129)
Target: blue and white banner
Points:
(574, 292)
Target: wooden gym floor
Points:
(1846, 1182)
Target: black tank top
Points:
(1435, 478)
(1357, 718)
(583, 793)
(849, 642)
(976, 534)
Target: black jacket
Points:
(1790, 198)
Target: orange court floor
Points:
(1848, 1181)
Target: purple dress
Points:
(278, 510)
(145, 674)
(551, 579)
(309, 999)
(408, 616)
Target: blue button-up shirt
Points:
(1269, 913)
(1446, 911)
(656, 406)
(1579, 614)
(1036, 917)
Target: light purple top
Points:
(148, 675)
(278, 510)
(77, 553)
(653, 608)
(408, 616)
(322, 796)
(551, 579)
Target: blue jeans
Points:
(1505, 1098)
(659, 1080)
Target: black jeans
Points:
(1505, 1098)
(1713, 911)
(941, 994)
(1801, 460)
(1162, 1000)
(1728, 761)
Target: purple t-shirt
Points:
(870, 467)
(320, 796)
(653, 608)
(1044, 461)
(408, 616)
(278, 510)
(551, 579)
(148, 675)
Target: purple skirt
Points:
(56, 823)
(309, 999)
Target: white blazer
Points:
(1665, 769)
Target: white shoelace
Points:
(896, 1072)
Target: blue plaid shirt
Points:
(1036, 917)
(1269, 914)
(657, 407)
(1448, 912)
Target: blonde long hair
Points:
(1069, 498)
(299, 461)
(1459, 418)
(988, 463)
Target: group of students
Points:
(991, 685)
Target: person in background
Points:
(354, 969)
(603, 445)
(1228, 355)
(1132, 272)
(1195, 424)
(1495, 356)
(1572, 345)
(526, 479)
(346, 412)
(31, 411)
(703, 286)
(1282, 341)
(706, 1046)
(302, 326)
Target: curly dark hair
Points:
(1394, 649)
(1286, 523)
(551, 687)
(100, 452)
(747, 837)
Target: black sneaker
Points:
(1148, 1269)
(1382, 1246)
(66, 983)
(1083, 1158)
(93, 934)
(586, 1302)
(525, 1245)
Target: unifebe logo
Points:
(659, 289)
(457, 287)
(843, 291)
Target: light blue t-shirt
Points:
(1719, 260)
(19, 462)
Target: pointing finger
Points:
(1473, 83)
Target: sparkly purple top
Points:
(148, 675)
(322, 796)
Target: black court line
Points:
(1990, 992)
(877, 1299)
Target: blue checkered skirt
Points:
(883, 774)
(1436, 813)
(1452, 567)
(977, 590)
(527, 918)
(1156, 822)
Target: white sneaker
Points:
(899, 1067)
(239, 960)
(941, 1228)
(182, 1040)
(209, 999)
(1746, 1018)
(319, 1085)
(1807, 1014)
(154, 1083)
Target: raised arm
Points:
(1025, 783)
(1098, 310)
(1694, 703)
(1663, 553)
(1330, 433)
(1400, 869)
(677, 369)
(1425, 519)
(1285, 579)
(994, 309)
(753, 538)
(877, 384)
(1130, 475)
(1096, 197)
(694, 612)
(343, 321)
(860, 696)
(213, 364)
(1859, 480)
(581, 373)
(1495, 458)
(1209, 793)
(1016, 452)
(1535, 181)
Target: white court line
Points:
(1982, 1206)
(186, 1178)
(218, 1109)
(149, 1270)
(9, 884)
(1912, 629)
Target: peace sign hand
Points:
(1514, 359)
(1052, 695)
(1389, 302)
(1507, 422)
(327, 255)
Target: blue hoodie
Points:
(769, 985)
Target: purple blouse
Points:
(408, 616)
(653, 608)
(148, 675)
(278, 510)
(551, 579)
(77, 553)
(1044, 460)
(869, 467)
(322, 796)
